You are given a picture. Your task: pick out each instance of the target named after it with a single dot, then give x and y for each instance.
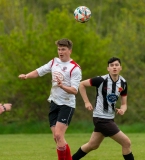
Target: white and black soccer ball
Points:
(82, 14)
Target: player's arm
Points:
(38, 72)
(82, 89)
(70, 90)
(33, 74)
(123, 107)
(76, 77)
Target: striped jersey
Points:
(70, 75)
(108, 93)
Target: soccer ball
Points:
(82, 14)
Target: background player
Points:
(109, 87)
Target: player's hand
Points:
(88, 106)
(119, 111)
(59, 82)
(7, 107)
(1, 109)
(22, 76)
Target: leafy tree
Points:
(28, 30)
(32, 45)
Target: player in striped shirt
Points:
(66, 77)
(108, 87)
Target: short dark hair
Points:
(64, 42)
(111, 60)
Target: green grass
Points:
(42, 147)
(75, 127)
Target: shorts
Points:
(106, 126)
(60, 113)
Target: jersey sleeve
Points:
(96, 81)
(76, 77)
(124, 92)
(45, 68)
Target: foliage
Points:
(28, 30)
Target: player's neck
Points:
(114, 77)
(65, 60)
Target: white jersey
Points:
(70, 75)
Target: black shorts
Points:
(106, 126)
(60, 113)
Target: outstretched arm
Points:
(82, 89)
(33, 74)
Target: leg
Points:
(125, 142)
(59, 118)
(94, 143)
(61, 142)
(59, 133)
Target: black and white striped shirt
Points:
(108, 93)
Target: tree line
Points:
(28, 30)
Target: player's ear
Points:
(70, 51)
(108, 69)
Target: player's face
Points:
(64, 53)
(114, 68)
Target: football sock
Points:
(61, 152)
(128, 156)
(68, 153)
(79, 154)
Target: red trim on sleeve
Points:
(52, 62)
(75, 65)
(91, 82)
(124, 95)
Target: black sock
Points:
(128, 156)
(78, 155)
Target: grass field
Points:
(42, 147)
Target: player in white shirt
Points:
(66, 77)
(108, 89)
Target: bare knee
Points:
(57, 137)
(94, 147)
(89, 147)
(127, 143)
